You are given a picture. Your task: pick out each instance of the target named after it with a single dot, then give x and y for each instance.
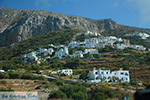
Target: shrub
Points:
(3, 82)
(4, 75)
(3, 89)
(57, 94)
(14, 75)
(59, 82)
(50, 85)
(97, 56)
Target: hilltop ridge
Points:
(18, 25)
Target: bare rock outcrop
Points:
(18, 25)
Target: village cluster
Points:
(91, 46)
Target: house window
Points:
(106, 72)
(122, 73)
(114, 73)
(126, 78)
(126, 74)
(96, 78)
(101, 72)
(96, 73)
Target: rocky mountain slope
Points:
(18, 25)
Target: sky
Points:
(126, 12)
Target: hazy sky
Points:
(127, 12)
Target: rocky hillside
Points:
(18, 25)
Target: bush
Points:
(4, 75)
(79, 96)
(59, 82)
(106, 49)
(14, 75)
(3, 82)
(50, 85)
(69, 90)
(74, 63)
(27, 75)
(57, 94)
(97, 56)
(102, 93)
(3, 89)
(84, 75)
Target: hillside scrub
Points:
(19, 75)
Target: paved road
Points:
(46, 76)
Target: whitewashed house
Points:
(106, 75)
(138, 47)
(73, 44)
(100, 45)
(41, 51)
(121, 75)
(142, 35)
(77, 54)
(65, 71)
(88, 33)
(92, 33)
(92, 40)
(91, 51)
(120, 46)
(2, 70)
(51, 45)
(90, 45)
(80, 55)
(100, 75)
(31, 56)
(62, 52)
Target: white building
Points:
(106, 75)
(92, 33)
(120, 75)
(142, 35)
(51, 45)
(90, 45)
(91, 51)
(65, 71)
(120, 46)
(79, 55)
(31, 55)
(41, 51)
(2, 70)
(73, 44)
(138, 47)
(62, 52)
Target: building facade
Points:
(106, 75)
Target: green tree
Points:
(79, 96)
(74, 63)
(106, 49)
(97, 56)
(57, 94)
(69, 90)
(4, 75)
(84, 75)
(99, 96)
(15, 75)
